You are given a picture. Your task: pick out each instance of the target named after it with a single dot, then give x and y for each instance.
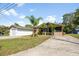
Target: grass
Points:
(10, 46)
(74, 35)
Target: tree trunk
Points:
(62, 30)
(35, 32)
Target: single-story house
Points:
(20, 31)
(50, 30)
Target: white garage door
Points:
(14, 32)
(23, 33)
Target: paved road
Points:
(60, 46)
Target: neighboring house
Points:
(76, 31)
(20, 31)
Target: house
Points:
(50, 28)
(76, 31)
(20, 31)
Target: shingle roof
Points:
(21, 28)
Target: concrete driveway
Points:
(60, 46)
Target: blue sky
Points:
(50, 12)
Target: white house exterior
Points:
(19, 31)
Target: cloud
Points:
(21, 23)
(19, 4)
(31, 10)
(13, 12)
(5, 12)
(22, 17)
(50, 19)
(10, 12)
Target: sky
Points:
(50, 12)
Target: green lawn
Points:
(74, 35)
(11, 46)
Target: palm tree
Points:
(34, 22)
(16, 24)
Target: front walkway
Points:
(64, 46)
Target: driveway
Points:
(60, 46)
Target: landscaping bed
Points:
(11, 46)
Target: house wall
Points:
(16, 32)
(78, 32)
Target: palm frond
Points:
(40, 18)
(34, 21)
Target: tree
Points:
(16, 24)
(71, 21)
(76, 20)
(4, 30)
(28, 26)
(34, 22)
(47, 27)
(68, 20)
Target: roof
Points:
(21, 28)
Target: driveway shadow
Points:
(68, 41)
